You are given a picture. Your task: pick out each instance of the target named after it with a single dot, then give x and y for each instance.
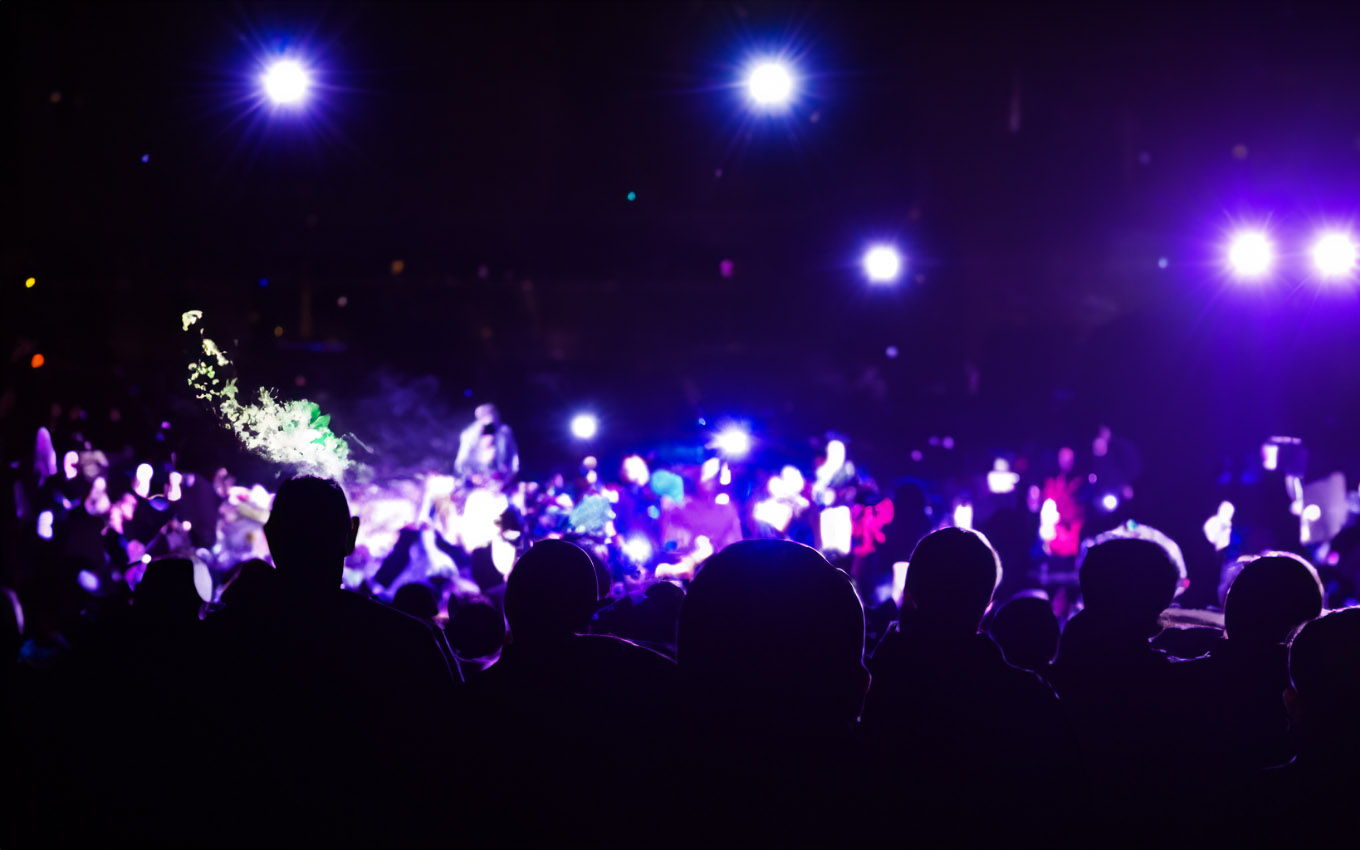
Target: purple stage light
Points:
(733, 441)
(584, 426)
(770, 85)
(286, 82)
(882, 264)
(1251, 255)
(1335, 255)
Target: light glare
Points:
(734, 442)
(1335, 255)
(882, 264)
(584, 426)
(286, 82)
(770, 84)
(1251, 255)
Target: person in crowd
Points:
(487, 453)
(320, 690)
(1236, 719)
(771, 653)
(559, 699)
(1118, 690)
(939, 683)
(1027, 631)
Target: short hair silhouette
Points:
(416, 599)
(551, 592)
(166, 593)
(1128, 581)
(1324, 669)
(771, 625)
(476, 631)
(1026, 630)
(250, 585)
(310, 532)
(952, 575)
(1270, 597)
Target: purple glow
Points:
(286, 82)
(1335, 255)
(882, 264)
(1251, 255)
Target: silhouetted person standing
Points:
(325, 691)
(771, 653)
(947, 715)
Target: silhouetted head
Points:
(251, 584)
(951, 577)
(484, 571)
(1324, 670)
(476, 631)
(166, 593)
(771, 635)
(551, 592)
(417, 600)
(1270, 597)
(310, 533)
(1127, 583)
(1026, 630)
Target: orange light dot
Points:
(278, 330)
(37, 361)
(398, 266)
(30, 283)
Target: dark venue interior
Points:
(792, 424)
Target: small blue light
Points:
(632, 196)
(146, 157)
(654, 512)
(264, 281)
(702, 421)
(467, 393)
(1163, 262)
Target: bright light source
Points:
(1335, 255)
(638, 549)
(722, 499)
(142, 485)
(837, 530)
(733, 441)
(1001, 479)
(882, 264)
(635, 470)
(770, 84)
(286, 82)
(45, 520)
(1312, 513)
(1251, 255)
(1110, 502)
(1270, 456)
(88, 581)
(963, 515)
(584, 426)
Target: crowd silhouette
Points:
(746, 709)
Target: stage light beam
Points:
(1251, 255)
(1335, 255)
(882, 264)
(770, 85)
(286, 82)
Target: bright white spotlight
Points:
(1110, 502)
(882, 264)
(1251, 255)
(770, 84)
(584, 426)
(1335, 255)
(733, 441)
(286, 82)
(638, 549)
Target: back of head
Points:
(1324, 667)
(951, 577)
(476, 631)
(250, 586)
(771, 632)
(1270, 597)
(1027, 631)
(310, 532)
(551, 592)
(1128, 582)
(417, 600)
(166, 593)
